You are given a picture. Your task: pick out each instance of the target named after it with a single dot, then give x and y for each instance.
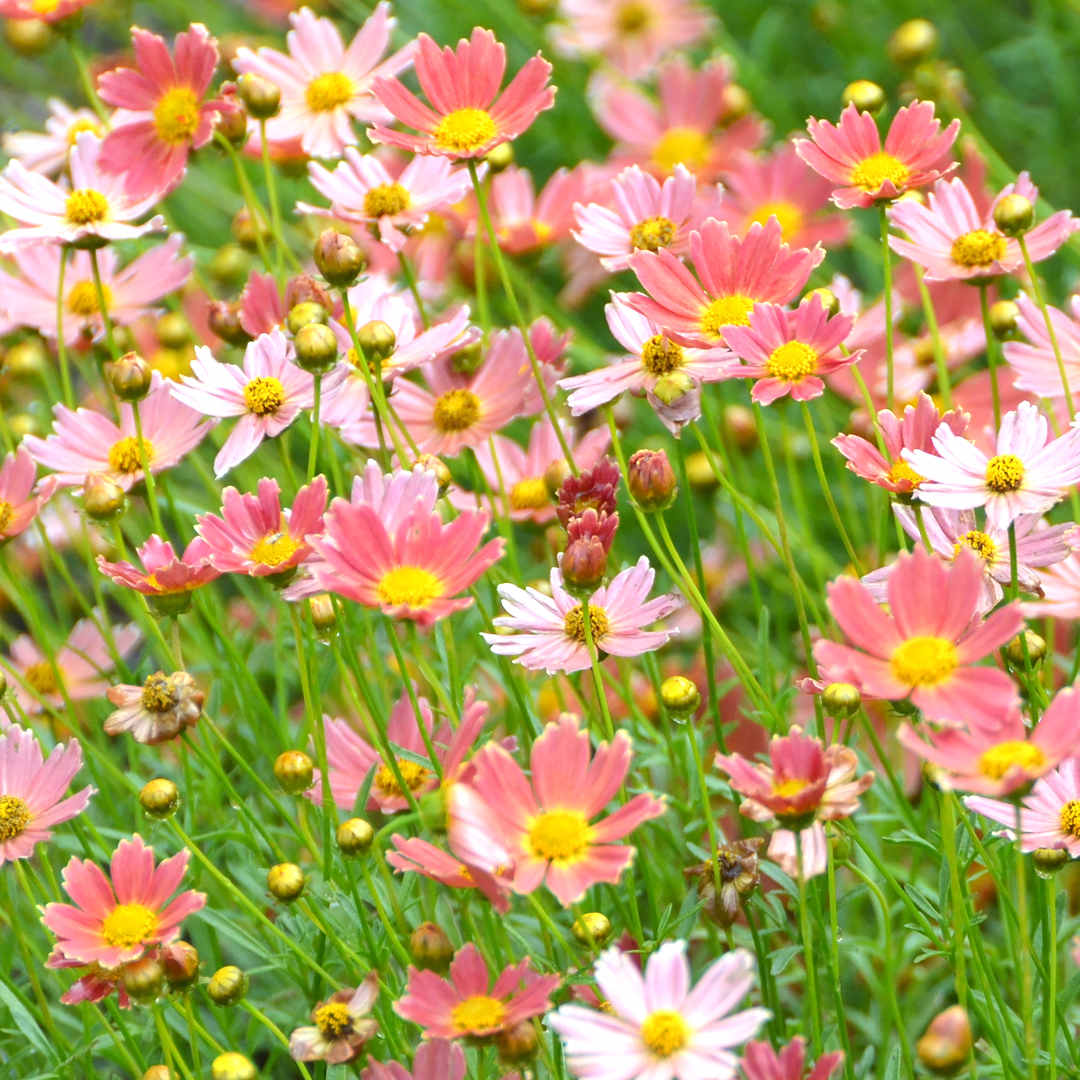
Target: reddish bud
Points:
(651, 480)
(224, 320)
(584, 563)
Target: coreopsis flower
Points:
(466, 116)
(550, 630)
(162, 114)
(32, 791)
(924, 648)
(268, 393)
(1027, 473)
(735, 274)
(116, 919)
(525, 221)
(49, 11)
(341, 1025)
(95, 210)
(1034, 360)
(1000, 758)
(915, 430)
(262, 308)
(738, 865)
(20, 500)
(435, 1059)
(95, 985)
(324, 85)
(47, 152)
(167, 579)
(787, 352)
(414, 854)
(851, 155)
(84, 441)
(953, 240)
(655, 1025)
(761, 1062)
(159, 710)
(543, 826)
(1060, 592)
(468, 1004)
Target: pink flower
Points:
(735, 274)
(46, 11)
(470, 117)
(1026, 474)
(540, 827)
(423, 858)
(761, 1062)
(47, 152)
(161, 115)
(851, 155)
(788, 351)
(923, 648)
(656, 1026)
(1035, 364)
(953, 240)
(166, 578)
(268, 393)
(92, 212)
(1061, 592)
(524, 222)
(18, 507)
(436, 1059)
(32, 789)
(84, 441)
(551, 630)
(262, 310)
(467, 1004)
(341, 1026)
(119, 920)
(324, 86)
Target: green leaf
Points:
(783, 957)
(26, 1023)
(892, 1068)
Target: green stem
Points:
(148, 476)
(275, 206)
(255, 211)
(313, 450)
(806, 935)
(834, 958)
(940, 360)
(886, 265)
(61, 345)
(1026, 993)
(103, 307)
(1051, 974)
(991, 355)
(959, 904)
(594, 663)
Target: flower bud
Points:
(829, 300)
(285, 882)
(431, 948)
(159, 1072)
(468, 359)
(260, 96)
(232, 1066)
(584, 563)
(1014, 214)
(735, 103)
(304, 314)
(172, 330)
(339, 258)
(433, 810)
(232, 123)
(517, 1044)
(912, 42)
(28, 37)
(1048, 861)
(229, 265)
(555, 476)
(651, 480)
(841, 699)
(181, 961)
(500, 157)
(227, 986)
(1005, 319)
(159, 798)
(293, 770)
(866, 96)
(323, 615)
(223, 319)
(592, 928)
(355, 837)
(26, 358)
(129, 377)
(680, 696)
(1036, 649)
(740, 427)
(699, 472)
(103, 498)
(245, 229)
(435, 464)
(316, 348)
(143, 979)
(946, 1046)
(377, 339)
(669, 388)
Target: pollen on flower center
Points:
(790, 788)
(456, 410)
(176, 115)
(159, 695)
(574, 623)
(124, 454)
(787, 214)
(528, 494)
(979, 542)
(478, 1013)
(82, 124)
(386, 199)
(465, 130)
(792, 362)
(664, 1032)
(660, 356)
(681, 146)
(333, 1019)
(652, 234)
(414, 775)
(14, 817)
(41, 677)
(412, 585)
(1004, 473)
(998, 760)
(6, 512)
(82, 299)
(84, 206)
(901, 471)
(264, 395)
(978, 248)
(1070, 818)
(633, 17)
(873, 171)
(560, 835)
(924, 661)
(128, 925)
(329, 91)
(726, 311)
(275, 549)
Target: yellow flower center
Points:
(664, 1032)
(456, 410)
(681, 146)
(415, 777)
(924, 661)
(41, 677)
(574, 624)
(80, 125)
(660, 356)
(787, 214)
(176, 115)
(159, 695)
(412, 585)
(478, 1013)
(997, 761)
(652, 234)
(388, 199)
(275, 549)
(528, 494)
(82, 299)
(978, 248)
(264, 395)
(790, 788)
(84, 206)
(632, 18)
(726, 311)
(14, 817)
(1070, 818)
(329, 91)
(792, 362)
(6, 511)
(465, 130)
(561, 835)
(129, 924)
(901, 470)
(45, 7)
(1004, 473)
(124, 454)
(873, 171)
(979, 542)
(333, 1019)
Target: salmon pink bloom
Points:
(1060, 591)
(655, 1026)
(467, 1004)
(262, 309)
(18, 507)
(32, 791)
(761, 1062)
(49, 11)
(1034, 360)
(423, 858)
(116, 921)
(47, 152)
(325, 86)
(924, 647)
(96, 985)
(341, 1026)
(166, 580)
(850, 153)
(467, 116)
(524, 221)
(436, 1059)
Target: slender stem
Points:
(148, 476)
(275, 206)
(1051, 974)
(940, 360)
(959, 903)
(834, 958)
(103, 306)
(991, 355)
(886, 265)
(815, 452)
(1026, 993)
(313, 450)
(806, 935)
(594, 663)
(85, 80)
(61, 345)
(410, 280)
(254, 210)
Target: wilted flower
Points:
(159, 710)
(738, 865)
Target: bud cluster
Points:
(586, 509)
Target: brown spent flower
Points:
(158, 710)
(596, 488)
(738, 876)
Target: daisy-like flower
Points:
(341, 1026)
(924, 647)
(915, 430)
(20, 502)
(95, 210)
(761, 1062)
(524, 221)
(159, 710)
(543, 827)
(655, 1025)
(32, 791)
(467, 116)
(1026, 473)
(1060, 592)
(467, 1004)
(47, 152)
(414, 854)
(166, 580)
(94, 986)
(999, 759)
(116, 921)
(436, 1059)
(268, 393)
(851, 155)
(84, 441)
(49, 11)
(551, 630)
(787, 352)
(803, 785)
(262, 309)
(953, 240)
(1034, 360)
(161, 112)
(325, 86)
(735, 274)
